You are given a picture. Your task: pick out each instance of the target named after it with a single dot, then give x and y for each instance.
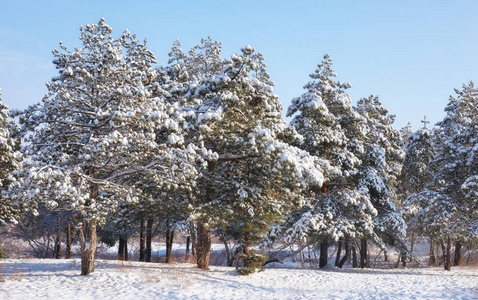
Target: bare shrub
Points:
(16, 275)
(150, 276)
(124, 266)
(181, 279)
(176, 257)
(218, 258)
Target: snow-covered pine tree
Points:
(405, 132)
(417, 173)
(450, 210)
(95, 130)
(381, 165)
(10, 161)
(251, 174)
(330, 128)
(417, 169)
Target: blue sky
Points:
(411, 53)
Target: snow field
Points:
(59, 279)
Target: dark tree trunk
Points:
(443, 251)
(448, 255)
(88, 246)
(149, 236)
(126, 258)
(229, 254)
(188, 241)
(203, 246)
(121, 249)
(193, 242)
(339, 253)
(142, 239)
(347, 254)
(308, 254)
(412, 242)
(432, 261)
(363, 254)
(354, 256)
(457, 253)
(58, 241)
(203, 235)
(169, 244)
(68, 242)
(403, 259)
(58, 246)
(324, 253)
(88, 240)
(58, 238)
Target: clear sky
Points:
(411, 53)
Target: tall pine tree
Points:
(10, 161)
(96, 129)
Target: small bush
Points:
(2, 252)
(252, 263)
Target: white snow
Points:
(60, 279)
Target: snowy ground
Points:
(59, 279)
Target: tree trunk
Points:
(186, 256)
(88, 246)
(339, 253)
(302, 258)
(169, 244)
(432, 261)
(149, 236)
(354, 256)
(247, 244)
(363, 254)
(412, 242)
(121, 249)
(126, 258)
(448, 255)
(203, 246)
(142, 239)
(324, 252)
(443, 251)
(193, 241)
(58, 246)
(457, 254)
(403, 259)
(68, 242)
(347, 254)
(308, 254)
(58, 238)
(229, 254)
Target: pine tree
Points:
(417, 171)
(405, 132)
(94, 131)
(237, 119)
(10, 161)
(330, 128)
(450, 213)
(380, 167)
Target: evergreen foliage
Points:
(94, 131)
(200, 145)
(236, 117)
(10, 161)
